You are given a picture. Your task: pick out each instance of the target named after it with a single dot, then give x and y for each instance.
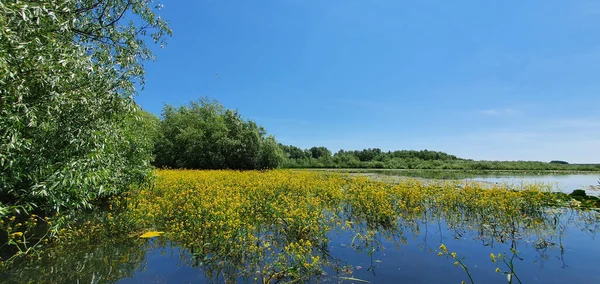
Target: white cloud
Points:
(576, 140)
(498, 112)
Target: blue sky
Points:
(499, 80)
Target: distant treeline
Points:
(321, 157)
(206, 135)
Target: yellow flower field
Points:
(275, 224)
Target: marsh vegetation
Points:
(296, 226)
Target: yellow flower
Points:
(456, 263)
(453, 255)
(440, 253)
(17, 234)
(497, 269)
(493, 257)
(443, 247)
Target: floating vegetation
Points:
(273, 226)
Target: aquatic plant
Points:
(275, 224)
(270, 226)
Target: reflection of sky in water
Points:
(564, 183)
(163, 265)
(416, 261)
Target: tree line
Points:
(206, 135)
(321, 157)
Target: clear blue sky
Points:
(500, 80)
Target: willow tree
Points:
(206, 135)
(68, 71)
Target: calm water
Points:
(564, 183)
(416, 261)
(563, 249)
(557, 182)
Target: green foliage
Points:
(319, 152)
(578, 192)
(293, 152)
(68, 124)
(320, 157)
(205, 135)
(374, 158)
(270, 153)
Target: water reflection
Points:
(555, 245)
(562, 183)
(532, 251)
(97, 261)
(555, 181)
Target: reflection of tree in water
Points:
(110, 260)
(370, 237)
(545, 231)
(97, 260)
